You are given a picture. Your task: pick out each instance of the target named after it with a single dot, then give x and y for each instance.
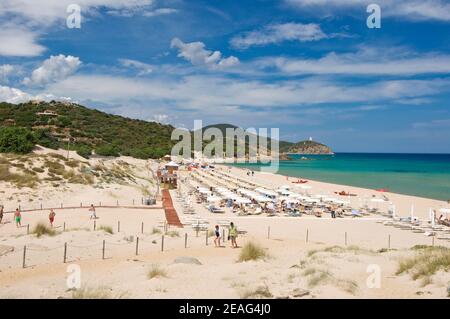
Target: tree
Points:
(16, 140)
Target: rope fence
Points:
(131, 204)
(146, 243)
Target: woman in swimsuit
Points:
(217, 236)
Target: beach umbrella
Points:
(241, 200)
(213, 199)
(304, 186)
(262, 199)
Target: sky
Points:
(312, 68)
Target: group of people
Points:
(51, 215)
(232, 235)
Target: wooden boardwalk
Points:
(171, 214)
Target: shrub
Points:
(41, 229)
(84, 151)
(107, 150)
(16, 140)
(252, 251)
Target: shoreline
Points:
(402, 202)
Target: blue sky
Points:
(309, 67)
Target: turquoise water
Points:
(424, 175)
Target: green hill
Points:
(59, 124)
(68, 125)
(305, 147)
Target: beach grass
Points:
(341, 250)
(156, 272)
(258, 292)
(97, 293)
(173, 233)
(426, 262)
(41, 229)
(106, 229)
(317, 277)
(156, 230)
(252, 251)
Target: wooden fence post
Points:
(185, 240)
(118, 226)
(162, 243)
(268, 232)
(65, 252)
(345, 238)
(307, 235)
(137, 246)
(103, 249)
(24, 256)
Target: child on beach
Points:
(233, 235)
(92, 209)
(217, 236)
(51, 217)
(18, 218)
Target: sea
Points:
(423, 175)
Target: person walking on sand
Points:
(217, 236)
(18, 218)
(92, 209)
(51, 217)
(233, 235)
(1, 214)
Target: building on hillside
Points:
(47, 113)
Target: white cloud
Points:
(19, 42)
(277, 33)
(5, 72)
(214, 94)
(23, 21)
(159, 12)
(411, 9)
(13, 95)
(196, 53)
(142, 68)
(160, 118)
(366, 61)
(55, 68)
(47, 12)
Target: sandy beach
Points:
(306, 257)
